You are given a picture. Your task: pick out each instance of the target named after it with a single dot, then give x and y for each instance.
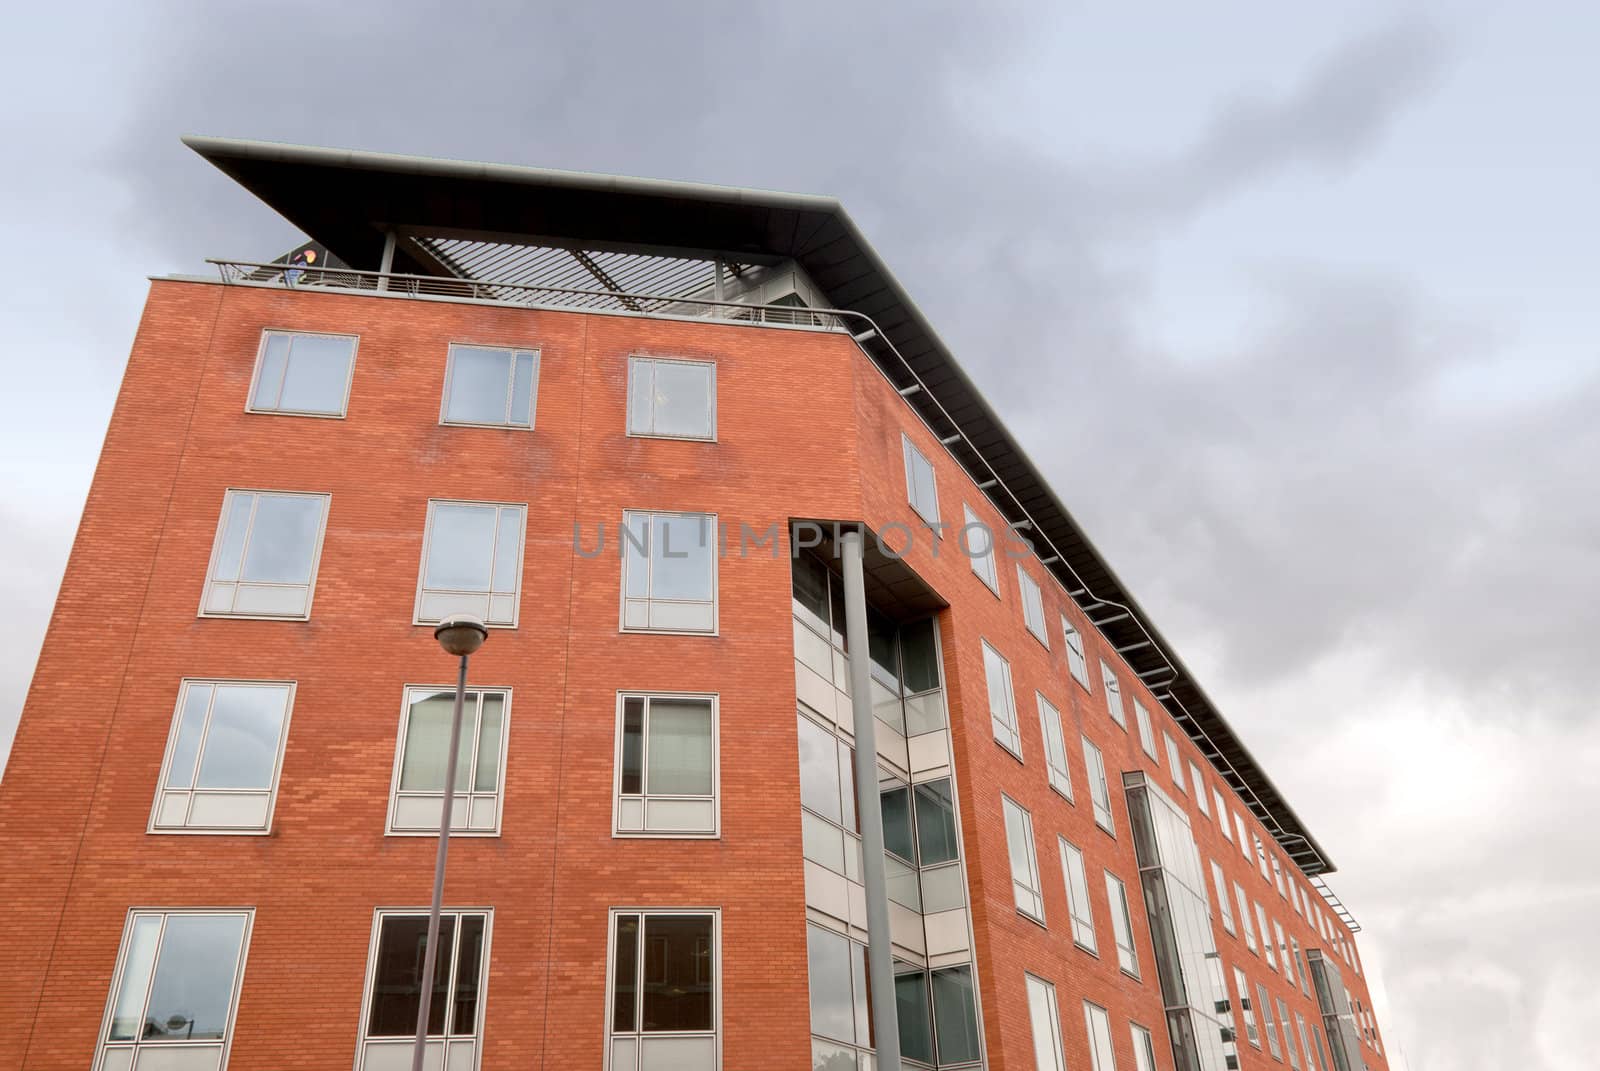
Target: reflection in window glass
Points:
(672, 399)
(1024, 860)
(264, 559)
(303, 373)
(977, 542)
(921, 490)
(955, 1014)
(936, 823)
(177, 983)
(669, 572)
(472, 563)
(1032, 606)
(494, 386)
(1002, 700)
(1077, 665)
(424, 749)
(913, 1015)
(223, 756)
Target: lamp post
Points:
(458, 634)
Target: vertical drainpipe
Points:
(879, 962)
(386, 265)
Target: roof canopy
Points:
(350, 201)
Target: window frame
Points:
(1015, 725)
(1125, 914)
(216, 551)
(907, 450)
(1144, 1047)
(637, 359)
(1085, 920)
(1096, 769)
(992, 580)
(1026, 585)
(490, 595)
(1197, 780)
(152, 827)
(261, 355)
(617, 795)
(1077, 659)
(1037, 888)
(1245, 920)
(1222, 813)
(1113, 690)
(1219, 882)
(512, 352)
(1174, 763)
(1090, 1008)
(713, 531)
(1262, 923)
(103, 1042)
(368, 985)
(1054, 1025)
(390, 829)
(1060, 778)
(1246, 1007)
(1147, 732)
(608, 1008)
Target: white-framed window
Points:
(1305, 1042)
(224, 756)
(1055, 746)
(1122, 924)
(1261, 857)
(1102, 1056)
(921, 489)
(1283, 952)
(1077, 664)
(1300, 964)
(1224, 910)
(1244, 917)
(672, 399)
(1267, 1024)
(1046, 1022)
(1294, 899)
(1246, 1008)
(1277, 877)
(664, 989)
(1099, 790)
(471, 562)
(416, 795)
(1108, 677)
(1244, 839)
(1288, 1035)
(1032, 606)
(1266, 935)
(666, 765)
(490, 386)
(393, 992)
(175, 990)
(1147, 735)
(977, 542)
(1222, 813)
(1174, 763)
(1002, 700)
(1144, 1049)
(264, 559)
(1199, 784)
(1077, 883)
(1024, 860)
(302, 373)
(669, 572)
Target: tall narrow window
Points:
(669, 572)
(1077, 665)
(1055, 746)
(1244, 840)
(1267, 1024)
(1077, 882)
(1174, 763)
(1266, 936)
(424, 743)
(264, 560)
(1222, 812)
(840, 1011)
(1024, 860)
(1099, 790)
(1261, 857)
(1032, 606)
(921, 490)
(1305, 1041)
(1144, 1049)
(1244, 917)
(1113, 695)
(1002, 700)
(1300, 963)
(1147, 736)
(977, 542)
(1223, 908)
(471, 562)
(1046, 1022)
(303, 374)
(490, 386)
(667, 765)
(1283, 952)
(176, 989)
(955, 1015)
(672, 399)
(1277, 877)
(395, 984)
(1246, 1007)
(1288, 1035)
(1102, 1057)
(664, 1006)
(223, 756)
(1122, 924)
(1199, 789)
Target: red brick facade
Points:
(806, 428)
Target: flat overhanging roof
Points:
(350, 201)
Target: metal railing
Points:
(314, 278)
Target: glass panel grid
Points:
(264, 559)
(303, 374)
(490, 386)
(235, 751)
(471, 562)
(669, 572)
(672, 399)
(417, 792)
(663, 758)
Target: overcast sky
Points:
(1295, 305)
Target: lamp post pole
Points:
(459, 634)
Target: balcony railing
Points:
(694, 306)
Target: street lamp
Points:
(460, 635)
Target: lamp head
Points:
(461, 634)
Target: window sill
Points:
(295, 413)
(671, 438)
(492, 427)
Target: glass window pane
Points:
(919, 657)
(847, 783)
(636, 544)
(235, 526)
(479, 379)
(681, 551)
(126, 1012)
(895, 802)
(682, 399)
(522, 380)
(427, 741)
(487, 778)
(460, 547)
(186, 748)
(679, 760)
(911, 1007)
(858, 979)
(624, 971)
(810, 588)
(319, 368)
(507, 549)
(242, 745)
(632, 746)
(937, 840)
(641, 390)
(678, 969)
(269, 379)
(193, 983)
(396, 980)
(283, 539)
(955, 1015)
(469, 959)
(828, 961)
(819, 770)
